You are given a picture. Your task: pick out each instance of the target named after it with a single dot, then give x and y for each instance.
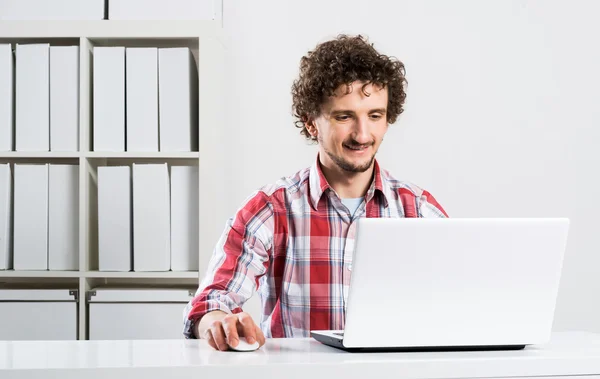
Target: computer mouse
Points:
(243, 345)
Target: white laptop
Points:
(451, 284)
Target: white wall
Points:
(502, 117)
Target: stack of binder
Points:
(145, 99)
(117, 9)
(39, 217)
(148, 218)
(39, 97)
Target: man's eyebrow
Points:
(341, 111)
(348, 111)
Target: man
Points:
(292, 241)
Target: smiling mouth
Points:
(357, 148)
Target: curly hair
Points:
(342, 61)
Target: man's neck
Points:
(346, 184)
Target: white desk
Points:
(567, 355)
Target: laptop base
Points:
(339, 344)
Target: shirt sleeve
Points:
(429, 207)
(239, 260)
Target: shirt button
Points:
(350, 267)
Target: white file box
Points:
(27, 314)
(51, 10)
(137, 313)
(161, 10)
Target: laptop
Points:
(451, 284)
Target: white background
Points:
(502, 117)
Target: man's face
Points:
(351, 127)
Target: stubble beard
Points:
(344, 164)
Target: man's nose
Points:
(361, 133)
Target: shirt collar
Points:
(318, 184)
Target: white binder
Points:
(184, 218)
(5, 217)
(160, 10)
(7, 116)
(63, 217)
(109, 99)
(178, 100)
(31, 217)
(142, 98)
(33, 97)
(51, 10)
(114, 218)
(151, 218)
(64, 98)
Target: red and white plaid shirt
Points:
(292, 242)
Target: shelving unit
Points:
(205, 40)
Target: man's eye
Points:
(375, 116)
(342, 118)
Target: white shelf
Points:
(93, 154)
(107, 29)
(164, 155)
(39, 274)
(100, 274)
(142, 275)
(38, 154)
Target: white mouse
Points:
(243, 345)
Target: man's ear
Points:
(311, 126)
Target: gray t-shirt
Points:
(352, 204)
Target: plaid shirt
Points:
(292, 242)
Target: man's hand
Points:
(222, 330)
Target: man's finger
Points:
(230, 329)
(209, 338)
(260, 337)
(219, 336)
(248, 328)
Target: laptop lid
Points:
(454, 282)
